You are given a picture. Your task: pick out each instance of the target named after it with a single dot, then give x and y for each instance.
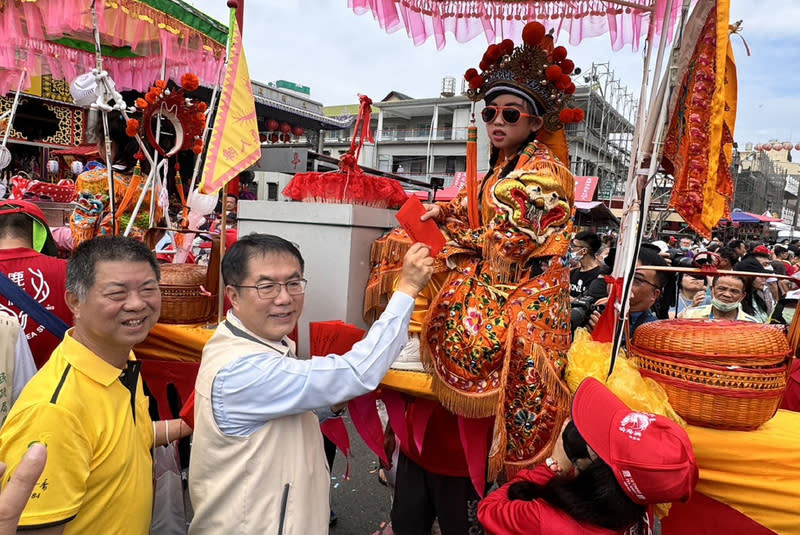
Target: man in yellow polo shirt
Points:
(86, 404)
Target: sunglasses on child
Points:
(510, 115)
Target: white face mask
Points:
(575, 257)
(723, 307)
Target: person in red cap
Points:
(610, 463)
(27, 257)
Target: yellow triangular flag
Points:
(234, 145)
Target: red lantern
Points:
(273, 137)
(767, 147)
(787, 145)
(797, 147)
(285, 128)
(298, 131)
(262, 137)
(757, 147)
(272, 125)
(286, 138)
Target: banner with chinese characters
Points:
(234, 145)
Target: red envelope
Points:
(426, 232)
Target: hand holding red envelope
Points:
(426, 232)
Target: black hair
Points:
(16, 225)
(752, 303)
(779, 249)
(235, 261)
(594, 497)
(728, 254)
(650, 257)
(734, 244)
(591, 239)
(82, 263)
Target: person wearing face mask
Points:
(587, 266)
(727, 293)
(686, 245)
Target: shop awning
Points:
(746, 217)
(594, 213)
(81, 150)
(585, 187)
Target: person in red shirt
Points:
(27, 257)
(609, 464)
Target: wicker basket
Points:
(703, 387)
(726, 343)
(189, 291)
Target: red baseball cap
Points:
(43, 241)
(761, 250)
(651, 456)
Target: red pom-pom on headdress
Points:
(533, 33)
(493, 53)
(475, 82)
(507, 46)
(553, 73)
(190, 82)
(470, 74)
(566, 115)
(559, 53)
(132, 127)
(567, 66)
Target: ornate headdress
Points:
(186, 115)
(534, 71)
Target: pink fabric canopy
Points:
(501, 19)
(30, 30)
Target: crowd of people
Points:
(761, 297)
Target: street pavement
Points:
(361, 503)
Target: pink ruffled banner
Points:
(504, 19)
(29, 29)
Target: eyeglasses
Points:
(638, 281)
(271, 290)
(510, 114)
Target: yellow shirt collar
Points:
(87, 362)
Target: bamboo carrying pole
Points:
(636, 197)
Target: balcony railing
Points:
(400, 134)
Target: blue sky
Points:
(324, 45)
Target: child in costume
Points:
(494, 324)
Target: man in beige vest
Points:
(257, 464)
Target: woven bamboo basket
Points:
(726, 343)
(189, 291)
(707, 381)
